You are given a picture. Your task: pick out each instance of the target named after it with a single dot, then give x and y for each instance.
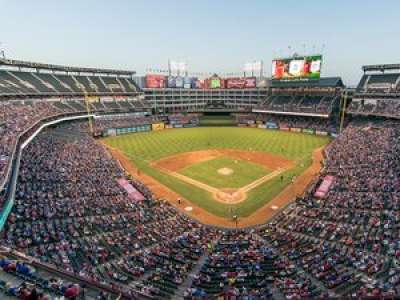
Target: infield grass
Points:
(144, 148)
(243, 172)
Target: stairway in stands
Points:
(24, 83)
(46, 83)
(189, 279)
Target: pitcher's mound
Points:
(225, 171)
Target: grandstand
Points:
(73, 221)
(378, 92)
(316, 98)
(33, 80)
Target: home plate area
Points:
(225, 171)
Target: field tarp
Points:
(324, 187)
(133, 193)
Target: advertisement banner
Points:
(193, 83)
(155, 81)
(171, 82)
(187, 83)
(318, 132)
(215, 83)
(262, 126)
(242, 125)
(334, 135)
(294, 129)
(169, 126)
(143, 128)
(235, 83)
(253, 125)
(111, 132)
(297, 67)
(284, 128)
(250, 82)
(179, 82)
(271, 125)
(308, 130)
(157, 126)
(178, 126)
(200, 84)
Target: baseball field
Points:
(220, 171)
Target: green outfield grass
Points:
(243, 172)
(143, 148)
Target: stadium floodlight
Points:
(2, 53)
(253, 68)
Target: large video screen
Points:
(297, 67)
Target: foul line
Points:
(214, 190)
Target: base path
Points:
(260, 216)
(226, 196)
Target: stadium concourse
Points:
(74, 224)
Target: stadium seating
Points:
(18, 116)
(15, 83)
(345, 244)
(321, 104)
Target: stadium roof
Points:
(25, 64)
(381, 68)
(326, 82)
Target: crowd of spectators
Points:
(18, 116)
(380, 107)
(15, 118)
(308, 103)
(320, 124)
(71, 212)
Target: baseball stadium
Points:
(271, 182)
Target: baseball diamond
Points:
(263, 163)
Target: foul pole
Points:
(343, 110)
(88, 112)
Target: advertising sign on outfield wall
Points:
(308, 130)
(157, 126)
(271, 125)
(318, 132)
(294, 129)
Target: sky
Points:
(209, 35)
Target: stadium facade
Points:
(328, 240)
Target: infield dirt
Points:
(260, 216)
